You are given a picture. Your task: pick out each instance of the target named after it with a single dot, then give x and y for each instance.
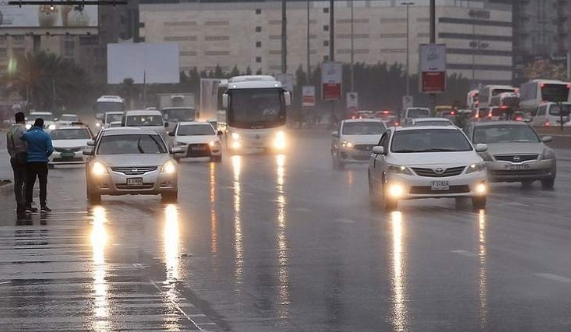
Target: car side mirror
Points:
(379, 149)
(220, 133)
(171, 133)
(547, 139)
(481, 148)
(225, 100)
(90, 143)
(335, 134)
(88, 152)
(176, 149)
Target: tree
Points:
(128, 90)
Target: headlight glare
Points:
(473, 168)
(235, 136)
(98, 169)
(169, 167)
(280, 141)
(481, 188)
(52, 127)
(399, 169)
(213, 143)
(395, 190)
(347, 144)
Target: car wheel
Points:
(479, 202)
(171, 196)
(373, 195)
(337, 163)
(548, 183)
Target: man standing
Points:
(18, 158)
(39, 149)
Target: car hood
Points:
(196, 139)
(516, 148)
(70, 143)
(362, 139)
(130, 160)
(435, 158)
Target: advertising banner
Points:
(57, 16)
(331, 79)
(432, 68)
(308, 96)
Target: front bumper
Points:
(354, 156)
(504, 171)
(67, 158)
(115, 183)
(200, 150)
(417, 187)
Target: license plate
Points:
(516, 167)
(439, 185)
(67, 155)
(135, 182)
(198, 148)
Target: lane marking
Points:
(5, 282)
(463, 253)
(553, 277)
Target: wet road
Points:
(285, 243)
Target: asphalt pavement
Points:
(264, 243)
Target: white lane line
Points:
(463, 253)
(553, 277)
(345, 221)
(5, 282)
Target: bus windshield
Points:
(555, 92)
(179, 114)
(256, 108)
(109, 106)
(496, 92)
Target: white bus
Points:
(472, 99)
(537, 92)
(486, 94)
(255, 113)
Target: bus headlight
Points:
(98, 169)
(280, 141)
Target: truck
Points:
(165, 100)
(177, 107)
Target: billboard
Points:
(331, 78)
(308, 96)
(152, 63)
(55, 19)
(432, 68)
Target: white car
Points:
(67, 120)
(109, 118)
(114, 124)
(48, 117)
(197, 139)
(426, 162)
(354, 140)
(431, 122)
(149, 119)
(69, 143)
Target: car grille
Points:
(425, 190)
(429, 172)
(144, 186)
(363, 147)
(134, 170)
(67, 149)
(518, 157)
(523, 172)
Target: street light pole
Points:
(407, 4)
(284, 38)
(352, 52)
(308, 46)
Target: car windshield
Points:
(71, 118)
(144, 121)
(432, 123)
(109, 106)
(418, 113)
(505, 134)
(429, 140)
(113, 117)
(363, 128)
(131, 144)
(179, 114)
(195, 130)
(62, 134)
(46, 117)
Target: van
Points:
(152, 119)
(548, 114)
(415, 113)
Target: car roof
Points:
(495, 123)
(179, 108)
(143, 112)
(69, 114)
(46, 113)
(71, 127)
(115, 112)
(128, 131)
(431, 119)
(361, 120)
(426, 128)
(193, 123)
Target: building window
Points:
(326, 10)
(258, 59)
(3, 39)
(141, 24)
(326, 28)
(258, 44)
(3, 52)
(258, 29)
(326, 43)
(325, 58)
(258, 11)
(18, 39)
(216, 38)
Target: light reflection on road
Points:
(171, 243)
(483, 280)
(283, 258)
(213, 215)
(399, 266)
(99, 239)
(238, 236)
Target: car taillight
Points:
(547, 124)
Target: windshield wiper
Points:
(405, 151)
(139, 147)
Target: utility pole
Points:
(352, 52)
(308, 46)
(332, 46)
(433, 41)
(407, 4)
(284, 38)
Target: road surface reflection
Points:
(99, 239)
(399, 266)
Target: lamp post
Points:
(407, 4)
(352, 52)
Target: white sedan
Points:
(197, 139)
(354, 141)
(431, 122)
(69, 143)
(426, 162)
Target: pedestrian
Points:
(39, 149)
(17, 149)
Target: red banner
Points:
(433, 82)
(331, 91)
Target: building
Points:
(478, 34)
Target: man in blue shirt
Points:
(39, 149)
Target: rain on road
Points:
(285, 243)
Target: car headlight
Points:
(235, 136)
(399, 169)
(214, 143)
(548, 154)
(347, 144)
(98, 169)
(395, 190)
(478, 167)
(169, 167)
(98, 125)
(280, 141)
(52, 127)
(481, 188)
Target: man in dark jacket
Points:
(39, 149)
(18, 159)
